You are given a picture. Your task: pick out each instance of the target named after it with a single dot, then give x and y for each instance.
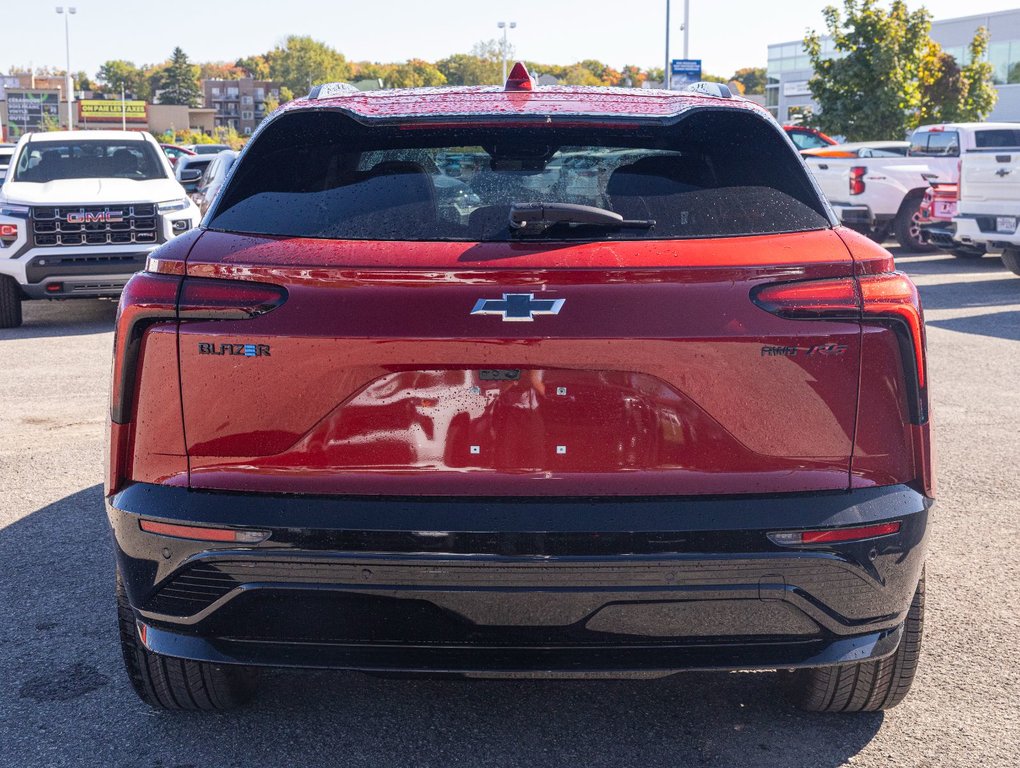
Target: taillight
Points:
(149, 298)
(889, 298)
(857, 179)
(834, 535)
(959, 179)
(203, 532)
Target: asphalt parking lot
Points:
(64, 699)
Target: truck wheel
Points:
(10, 303)
(177, 684)
(1011, 258)
(907, 226)
(870, 685)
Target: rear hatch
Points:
(991, 176)
(422, 348)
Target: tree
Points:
(220, 70)
(752, 78)
(980, 94)
(179, 81)
(416, 73)
(302, 62)
(116, 72)
(256, 67)
(578, 74)
(871, 89)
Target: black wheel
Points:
(1011, 258)
(907, 226)
(870, 685)
(169, 683)
(10, 303)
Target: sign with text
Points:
(31, 111)
(683, 72)
(111, 111)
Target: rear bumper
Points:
(503, 585)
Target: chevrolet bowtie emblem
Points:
(518, 307)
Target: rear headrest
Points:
(657, 176)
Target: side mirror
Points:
(190, 175)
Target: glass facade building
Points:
(789, 69)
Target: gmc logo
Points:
(95, 217)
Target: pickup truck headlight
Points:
(8, 209)
(173, 205)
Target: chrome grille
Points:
(95, 225)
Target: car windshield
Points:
(43, 161)
(807, 140)
(322, 175)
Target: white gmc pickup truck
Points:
(79, 213)
(989, 207)
(881, 195)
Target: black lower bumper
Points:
(519, 585)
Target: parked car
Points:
(212, 179)
(6, 150)
(190, 169)
(805, 138)
(173, 152)
(861, 149)
(938, 208)
(882, 196)
(206, 149)
(80, 211)
(989, 206)
(687, 431)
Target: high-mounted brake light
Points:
(857, 179)
(203, 533)
(833, 535)
(519, 79)
(888, 298)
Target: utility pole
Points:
(123, 108)
(687, 24)
(67, 49)
(505, 26)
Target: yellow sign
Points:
(111, 111)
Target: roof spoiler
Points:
(706, 88)
(330, 90)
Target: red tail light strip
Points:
(150, 298)
(203, 533)
(889, 298)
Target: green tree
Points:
(871, 89)
(179, 81)
(115, 72)
(578, 74)
(254, 66)
(979, 95)
(752, 78)
(941, 86)
(220, 70)
(416, 73)
(302, 62)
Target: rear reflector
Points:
(833, 535)
(203, 533)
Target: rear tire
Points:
(870, 685)
(177, 684)
(907, 226)
(10, 302)
(1011, 258)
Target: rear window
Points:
(935, 144)
(997, 137)
(323, 175)
(43, 161)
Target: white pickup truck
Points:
(989, 207)
(880, 194)
(79, 213)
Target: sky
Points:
(725, 34)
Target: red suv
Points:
(676, 419)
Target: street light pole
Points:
(67, 49)
(687, 24)
(505, 26)
(665, 68)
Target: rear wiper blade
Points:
(526, 214)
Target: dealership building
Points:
(789, 69)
